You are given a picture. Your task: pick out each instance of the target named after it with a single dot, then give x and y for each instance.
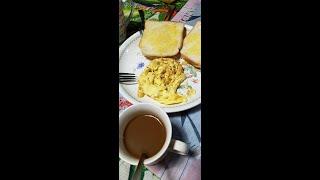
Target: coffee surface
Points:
(144, 134)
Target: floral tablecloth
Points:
(186, 125)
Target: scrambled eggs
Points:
(160, 81)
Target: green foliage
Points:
(131, 171)
(149, 2)
(180, 3)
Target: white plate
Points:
(131, 60)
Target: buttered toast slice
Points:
(161, 38)
(191, 49)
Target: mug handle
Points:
(178, 147)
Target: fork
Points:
(127, 78)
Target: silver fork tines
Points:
(127, 78)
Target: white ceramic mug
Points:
(170, 144)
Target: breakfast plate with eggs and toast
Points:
(166, 60)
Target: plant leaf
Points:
(131, 171)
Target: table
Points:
(186, 127)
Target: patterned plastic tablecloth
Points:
(186, 127)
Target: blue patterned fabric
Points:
(186, 126)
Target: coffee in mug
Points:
(146, 128)
(144, 134)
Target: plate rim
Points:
(134, 101)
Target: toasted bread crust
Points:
(192, 62)
(177, 56)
